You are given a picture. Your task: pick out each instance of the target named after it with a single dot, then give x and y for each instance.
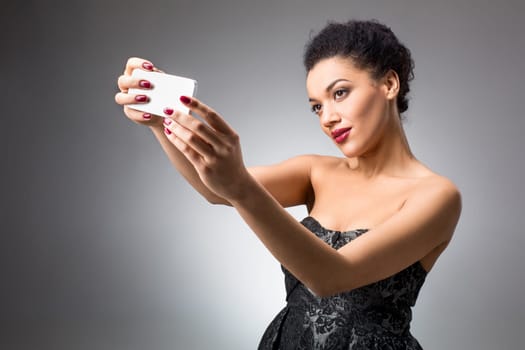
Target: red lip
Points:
(339, 135)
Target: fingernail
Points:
(145, 84)
(167, 131)
(146, 116)
(141, 98)
(184, 99)
(168, 111)
(147, 65)
(167, 121)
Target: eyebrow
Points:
(330, 86)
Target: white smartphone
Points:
(165, 92)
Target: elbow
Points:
(215, 200)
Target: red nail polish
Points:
(141, 98)
(145, 84)
(186, 100)
(147, 65)
(167, 121)
(146, 116)
(168, 111)
(167, 131)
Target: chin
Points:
(349, 152)
(349, 148)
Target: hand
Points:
(125, 82)
(212, 147)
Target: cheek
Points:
(370, 118)
(376, 101)
(364, 107)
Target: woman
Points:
(379, 217)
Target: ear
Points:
(391, 84)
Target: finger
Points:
(194, 125)
(140, 117)
(133, 114)
(190, 138)
(140, 63)
(123, 98)
(208, 114)
(187, 150)
(126, 82)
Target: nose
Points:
(329, 115)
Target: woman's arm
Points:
(184, 167)
(126, 82)
(425, 222)
(288, 181)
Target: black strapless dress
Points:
(376, 316)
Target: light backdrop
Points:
(104, 246)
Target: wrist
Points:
(247, 188)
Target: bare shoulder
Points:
(439, 197)
(289, 181)
(300, 164)
(319, 159)
(314, 162)
(437, 185)
(324, 162)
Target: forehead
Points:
(330, 69)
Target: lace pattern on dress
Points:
(376, 316)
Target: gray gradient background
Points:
(105, 247)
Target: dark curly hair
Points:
(371, 45)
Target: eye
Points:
(340, 93)
(316, 108)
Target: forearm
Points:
(184, 167)
(309, 259)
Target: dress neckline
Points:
(325, 229)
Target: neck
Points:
(390, 156)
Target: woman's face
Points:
(353, 108)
